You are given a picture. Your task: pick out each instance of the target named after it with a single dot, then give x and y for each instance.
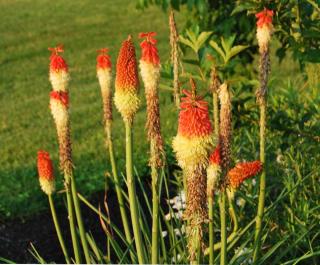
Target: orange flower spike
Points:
(127, 71)
(264, 17)
(57, 63)
(103, 59)
(105, 78)
(194, 140)
(264, 29)
(58, 70)
(243, 171)
(127, 82)
(194, 116)
(45, 172)
(149, 48)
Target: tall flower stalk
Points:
(192, 146)
(47, 184)
(214, 168)
(59, 105)
(264, 32)
(225, 145)
(150, 72)
(127, 102)
(104, 75)
(213, 175)
(174, 36)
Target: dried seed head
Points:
(58, 70)
(45, 172)
(196, 210)
(127, 82)
(59, 110)
(264, 29)
(243, 171)
(214, 80)
(105, 77)
(225, 126)
(174, 36)
(194, 139)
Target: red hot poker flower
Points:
(103, 59)
(215, 157)
(149, 48)
(127, 71)
(57, 63)
(45, 167)
(243, 171)
(60, 96)
(194, 116)
(264, 17)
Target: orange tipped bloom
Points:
(127, 81)
(127, 72)
(242, 171)
(149, 48)
(58, 73)
(194, 116)
(264, 29)
(194, 140)
(150, 73)
(45, 171)
(103, 59)
(105, 77)
(264, 17)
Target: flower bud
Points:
(45, 172)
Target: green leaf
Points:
(203, 37)
(186, 42)
(243, 6)
(192, 35)
(215, 46)
(235, 50)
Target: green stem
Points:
(234, 236)
(155, 217)
(58, 230)
(233, 213)
(223, 253)
(79, 220)
(132, 196)
(121, 200)
(260, 212)
(211, 231)
(71, 218)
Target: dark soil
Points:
(17, 235)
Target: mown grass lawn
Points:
(27, 29)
